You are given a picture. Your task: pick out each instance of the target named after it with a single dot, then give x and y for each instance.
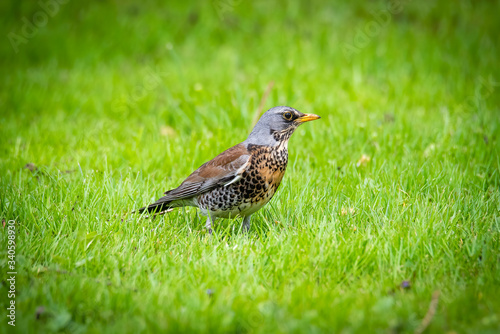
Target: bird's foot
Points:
(246, 224)
(208, 225)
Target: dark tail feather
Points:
(156, 207)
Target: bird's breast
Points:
(257, 185)
(267, 167)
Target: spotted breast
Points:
(257, 185)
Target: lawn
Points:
(387, 220)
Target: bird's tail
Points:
(162, 205)
(157, 207)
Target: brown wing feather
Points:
(219, 171)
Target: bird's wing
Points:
(222, 170)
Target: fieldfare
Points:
(242, 179)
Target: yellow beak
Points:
(307, 118)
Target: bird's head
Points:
(277, 125)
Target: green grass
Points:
(116, 102)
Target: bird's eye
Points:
(288, 116)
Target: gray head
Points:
(277, 125)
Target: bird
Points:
(242, 179)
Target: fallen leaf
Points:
(345, 211)
(363, 161)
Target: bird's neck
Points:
(282, 136)
(270, 138)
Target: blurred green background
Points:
(114, 102)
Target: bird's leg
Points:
(208, 225)
(246, 224)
